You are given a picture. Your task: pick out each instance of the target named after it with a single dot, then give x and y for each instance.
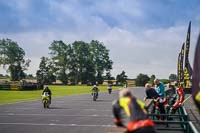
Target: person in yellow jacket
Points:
(130, 113)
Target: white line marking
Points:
(93, 115)
(53, 124)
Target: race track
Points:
(71, 114)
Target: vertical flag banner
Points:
(196, 75)
(181, 83)
(178, 69)
(187, 68)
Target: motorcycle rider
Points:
(180, 95)
(95, 89)
(109, 88)
(130, 113)
(49, 93)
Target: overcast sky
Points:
(143, 36)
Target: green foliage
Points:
(142, 79)
(60, 53)
(45, 74)
(173, 77)
(80, 61)
(84, 69)
(151, 81)
(13, 56)
(121, 78)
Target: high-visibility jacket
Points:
(130, 113)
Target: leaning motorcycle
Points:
(45, 100)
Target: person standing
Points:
(160, 89)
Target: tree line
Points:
(76, 62)
(79, 61)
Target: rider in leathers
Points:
(48, 91)
(130, 113)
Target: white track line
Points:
(14, 114)
(54, 124)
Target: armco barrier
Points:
(29, 87)
(14, 86)
(178, 122)
(4, 87)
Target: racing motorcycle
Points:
(94, 95)
(46, 100)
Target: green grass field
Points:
(8, 96)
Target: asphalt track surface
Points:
(71, 114)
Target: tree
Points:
(100, 58)
(151, 81)
(142, 79)
(45, 74)
(60, 53)
(30, 76)
(121, 78)
(13, 56)
(173, 77)
(80, 61)
(83, 63)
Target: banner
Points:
(187, 68)
(196, 75)
(181, 83)
(178, 69)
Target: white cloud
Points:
(142, 50)
(152, 51)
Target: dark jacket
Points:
(95, 89)
(47, 90)
(151, 94)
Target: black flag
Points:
(196, 75)
(180, 66)
(187, 68)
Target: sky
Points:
(143, 36)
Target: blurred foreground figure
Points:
(196, 75)
(130, 113)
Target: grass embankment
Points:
(8, 96)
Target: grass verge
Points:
(8, 96)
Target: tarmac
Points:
(70, 114)
(193, 113)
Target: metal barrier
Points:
(180, 122)
(173, 122)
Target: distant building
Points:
(106, 82)
(57, 82)
(130, 83)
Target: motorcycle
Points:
(109, 91)
(45, 100)
(94, 95)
